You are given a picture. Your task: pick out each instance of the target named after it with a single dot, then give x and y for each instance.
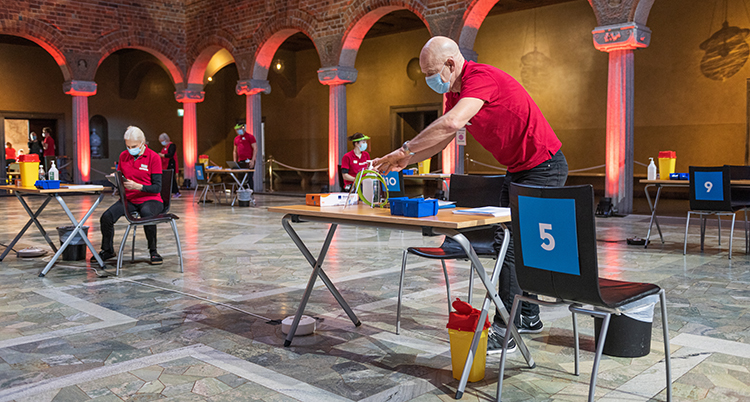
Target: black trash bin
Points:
(76, 250)
(626, 337)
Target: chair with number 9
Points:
(556, 257)
(711, 194)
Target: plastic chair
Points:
(467, 191)
(164, 217)
(711, 194)
(741, 196)
(556, 256)
(201, 179)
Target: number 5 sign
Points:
(548, 234)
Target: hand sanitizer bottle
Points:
(53, 174)
(651, 170)
(41, 172)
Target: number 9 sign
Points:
(548, 234)
(709, 186)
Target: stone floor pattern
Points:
(154, 333)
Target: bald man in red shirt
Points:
(498, 112)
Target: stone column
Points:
(336, 78)
(189, 97)
(252, 89)
(81, 90)
(453, 154)
(619, 41)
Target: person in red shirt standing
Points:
(142, 170)
(168, 156)
(355, 160)
(10, 154)
(245, 148)
(48, 143)
(499, 113)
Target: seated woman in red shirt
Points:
(142, 170)
(355, 160)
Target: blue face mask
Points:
(435, 82)
(134, 151)
(164, 143)
(362, 146)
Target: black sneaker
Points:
(530, 325)
(495, 341)
(104, 255)
(156, 258)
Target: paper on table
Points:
(491, 211)
(82, 186)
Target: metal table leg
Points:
(78, 229)
(653, 212)
(490, 285)
(33, 219)
(316, 272)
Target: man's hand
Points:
(393, 162)
(131, 185)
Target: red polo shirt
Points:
(244, 144)
(509, 125)
(10, 153)
(140, 170)
(354, 164)
(50, 151)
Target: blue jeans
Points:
(550, 173)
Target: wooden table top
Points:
(222, 170)
(362, 213)
(64, 188)
(685, 183)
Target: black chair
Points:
(556, 256)
(741, 196)
(341, 178)
(471, 192)
(201, 179)
(164, 217)
(711, 194)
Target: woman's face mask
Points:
(164, 143)
(134, 149)
(240, 131)
(436, 83)
(362, 146)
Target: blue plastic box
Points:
(397, 205)
(420, 207)
(409, 172)
(47, 184)
(679, 176)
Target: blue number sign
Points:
(709, 186)
(392, 181)
(199, 174)
(548, 234)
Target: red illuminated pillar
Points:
(189, 97)
(619, 41)
(81, 90)
(336, 78)
(252, 89)
(453, 154)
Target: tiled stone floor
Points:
(74, 336)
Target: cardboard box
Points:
(330, 199)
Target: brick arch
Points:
(365, 14)
(474, 16)
(163, 49)
(44, 35)
(627, 11)
(274, 33)
(204, 52)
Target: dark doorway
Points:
(408, 121)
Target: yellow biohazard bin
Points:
(460, 344)
(461, 326)
(667, 161)
(424, 166)
(29, 165)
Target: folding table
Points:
(57, 194)
(659, 184)
(444, 223)
(242, 184)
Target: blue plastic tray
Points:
(420, 207)
(397, 205)
(47, 184)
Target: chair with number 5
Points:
(556, 257)
(711, 194)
